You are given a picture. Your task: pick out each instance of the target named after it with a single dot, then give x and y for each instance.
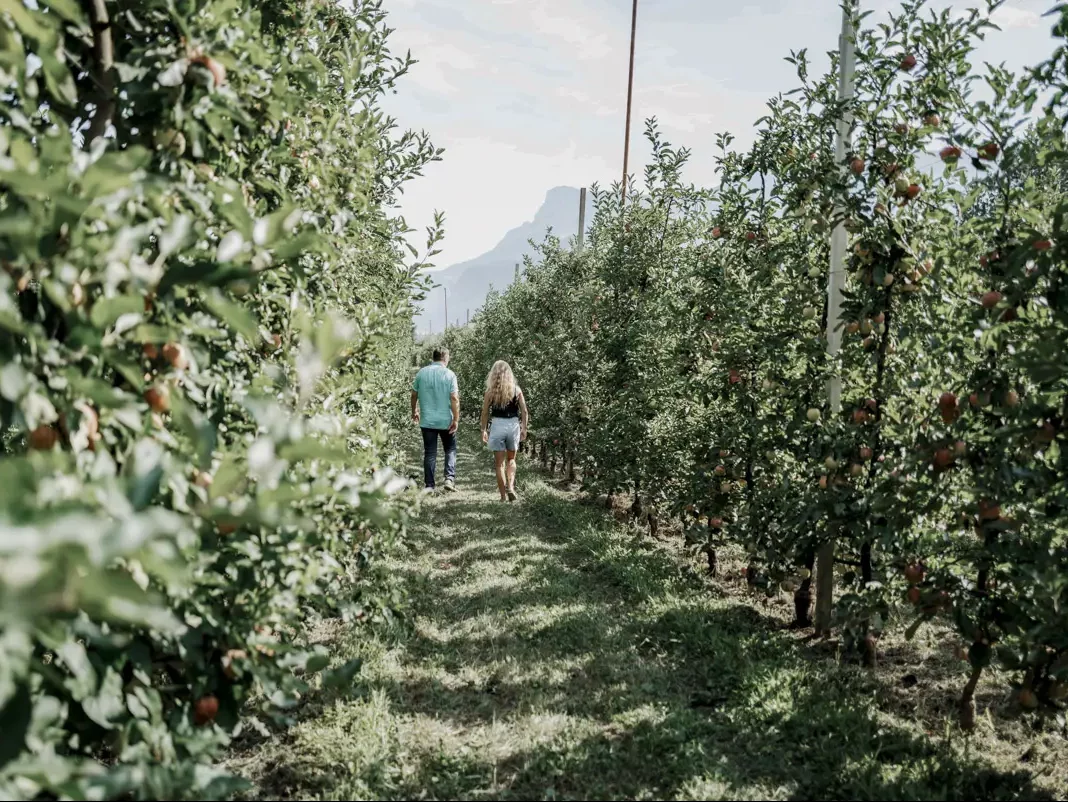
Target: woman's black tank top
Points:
(510, 410)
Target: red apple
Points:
(750, 235)
(908, 62)
(991, 299)
(950, 153)
(158, 398)
(865, 452)
(913, 191)
(205, 710)
(857, 166)
(914, 595)
(990, 150)
(943, 458)
(1042, 245)
(914, 573)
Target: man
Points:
(436, 408)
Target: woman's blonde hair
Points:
(500, 384)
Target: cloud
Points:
(1009, 17)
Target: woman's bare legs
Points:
(511, 472)
(499, 468)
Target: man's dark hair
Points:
(441, 353)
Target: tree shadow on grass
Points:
(670, 694)
(553, 658)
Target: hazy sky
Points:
(526, 95)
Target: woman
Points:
(505, 404)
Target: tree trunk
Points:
(824, 588)
(803, 596)
(966, 709)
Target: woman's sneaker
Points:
(450, 486)
(512, 494)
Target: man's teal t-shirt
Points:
(435, 384)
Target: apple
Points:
(815, 272)
(861, 416)
(43, 438)
(989, 151)
(202, 479)
(856, 469)
(175, 354)
(717, 232)
(908, 62)
(1042, 245)
(865, 452)
(217, 70)
(229, 659)
(991, 299)
(879, 318)
(158, 398)
(914, 594)
(1012, 398)
(831, 463)
(932, 119)
(205, 710)
(947, 400)
(865, 327)
(914, 573)
(720, 470)
(901, 129)
(869, 342)
(1027, 699)
(857, 166)
(725, 487)
(715, 523)
(901, 187)
(735, 376)
(823, 483)
(813, 414)
(913, 191)
(950, 153)
(943, 458)
(960, 448)
(973, 399)
(888, 279)
(852, 328)
(988, 510)
(809, 312)
(150, 351)
(750, 235)
(226, 529)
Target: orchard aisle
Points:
(553, 656)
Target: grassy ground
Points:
(554, 655)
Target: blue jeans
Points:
(430, 454)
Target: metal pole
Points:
(835, 285)
(582, 218)
(630, 95)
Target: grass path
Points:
(551, 655)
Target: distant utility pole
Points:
(630, 95)
(517, 272)
(446, 289)
(468, 317)
(582, 218)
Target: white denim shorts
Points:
(504, 434)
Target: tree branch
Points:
(103, 67)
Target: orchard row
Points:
(204, 320)
(682, 357)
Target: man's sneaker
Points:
(450, 486)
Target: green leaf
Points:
(233, 315)
(107, 310)
(343, 675)
(106, 707)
